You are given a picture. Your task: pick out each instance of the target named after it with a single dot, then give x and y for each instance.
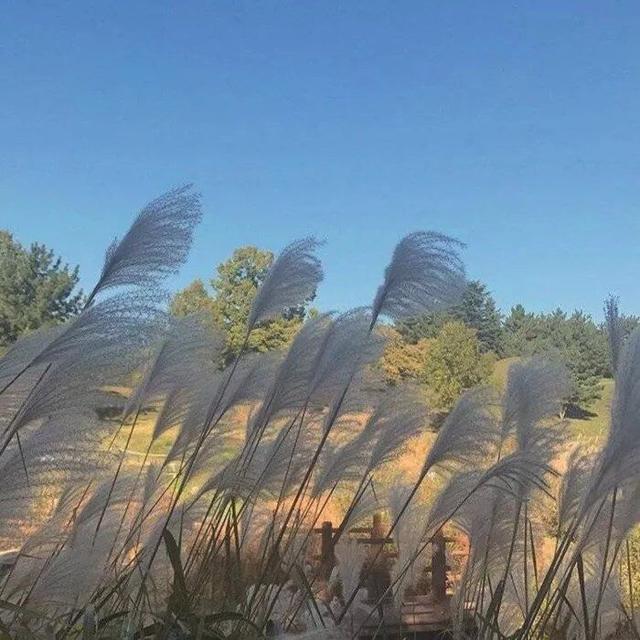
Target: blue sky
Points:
(510, 125)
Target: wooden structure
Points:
(428, 616)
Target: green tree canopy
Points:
(477, 310)
(402, 360)
(194, 299)
(576, 340)
(520, 331)
(229, 299)
(36, 288)
(455, 362)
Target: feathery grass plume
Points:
(116, 326)
(202, 397)
(350, 555)
(219, 441)
(249, 385)
(460, 488)
(288, 393)
(183, 354)
(18, 393)
(346, 348)
(407, 538)
(401, 416)
(114, 334)
(507, 474)
(615, 330)
(443, 452)
(585, 590)
(367, 505)
(621, 452)
(336, 406)
(487, 520)
(63, 391)
(231, 480)
(21, 354)
(253, 523)
(396, 498)
(155, 245)
(281, 462)
(290, 385)
(75, 385)
(187, 409)
(222, 444)
(468, 434)
(291, 279)
(573, 485)
(55, 529)
(512, 608)
(106, 494)
(54, 460)
(627, 514)
(614, 519)
(345, 463)
(174, 410)
(425, 274)
(71, 577)
(54, 447)
(535, 391)
(625, 430)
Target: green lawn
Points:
(591, 428)
(596, 427)
(142, 436)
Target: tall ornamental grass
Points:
(215, 537)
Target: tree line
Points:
(454, 350)
(447, 352)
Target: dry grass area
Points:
(406, 468)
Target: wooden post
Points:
(377, 532)
(379, 578)
(327, 558)
(438, 568)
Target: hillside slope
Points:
(595, 423)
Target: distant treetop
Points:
(36, 288)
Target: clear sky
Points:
(511, 125)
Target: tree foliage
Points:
(193, 299)
(575, 340)
(477, 310)
(455, 362)
(36, 288)
(227, 303)
(403, 360)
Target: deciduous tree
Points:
(228, 303)
(454, 363)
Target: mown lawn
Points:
(142, 436)
(593, 426)
(596, 426)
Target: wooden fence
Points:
(374, 537)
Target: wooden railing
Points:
(374, 536)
